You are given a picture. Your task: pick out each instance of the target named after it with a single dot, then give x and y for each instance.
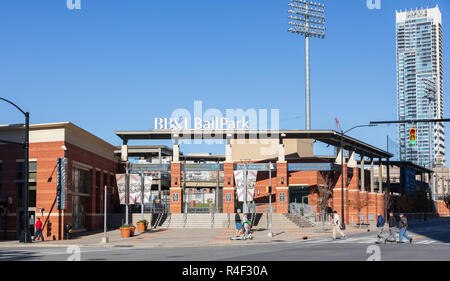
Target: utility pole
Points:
(245, 190)
(270, 234)
(127, 190)
(105, 238)
(142, 194)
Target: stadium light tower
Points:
(307, 19)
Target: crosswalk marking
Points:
(362, 240)
(426, 242)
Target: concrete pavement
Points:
(173, 238)
(185, 238)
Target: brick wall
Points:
(46, 155)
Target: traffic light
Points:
(412, 136)
(269, 189)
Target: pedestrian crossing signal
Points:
(412, 136)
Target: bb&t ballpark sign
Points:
(215, 123)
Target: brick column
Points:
(364, 197)
(354, 196)
(282, 189)
(337, 196)
(175, 188)
(373, 205)
(380, 204)
(228, 188)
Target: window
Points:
(32, 170)
(32, 194)
(282, 197)
(81, 180)
(97, 192)
(31, 184)
(19, 175)
(105, 179)
(79, 212)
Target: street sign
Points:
(298, 167)
(136, 168)
(202, 167)
(254, 166)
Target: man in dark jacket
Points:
(392, 225)
(403, 225)
(380, 225)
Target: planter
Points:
(132, 229)
(141, 226)
(125, 232)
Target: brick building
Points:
(298, 177)
(90, 166)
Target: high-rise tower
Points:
(420, 84)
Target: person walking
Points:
(246, 225)
(403, 225)
(380, 225)
(237, 220)
(38, 227)
(392, 224)
(337, 226)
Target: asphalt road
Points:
(431, 243)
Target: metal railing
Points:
(302, 209)
(212, 218)
(228, 217)
(184, 220)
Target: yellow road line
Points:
(422, 236)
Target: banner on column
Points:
(147, 189)
(135, 189)
(251, 181)
(120, 179)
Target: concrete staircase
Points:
(198, 221)
(279, 221)
(299, 221)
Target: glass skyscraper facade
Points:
(420, 84)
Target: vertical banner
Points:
(61, 183)
(251, 181)
(120, 179)
(239, 184)
(147, 189)
(135, 189)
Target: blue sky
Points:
(115, 65)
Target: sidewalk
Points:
(184, 238)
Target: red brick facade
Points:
(45, 155)
(175, 189)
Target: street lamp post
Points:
(26, 237)
(308, 20)
(270, 234)
(105, 238)
(342, 170)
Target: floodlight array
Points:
(308, 18)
